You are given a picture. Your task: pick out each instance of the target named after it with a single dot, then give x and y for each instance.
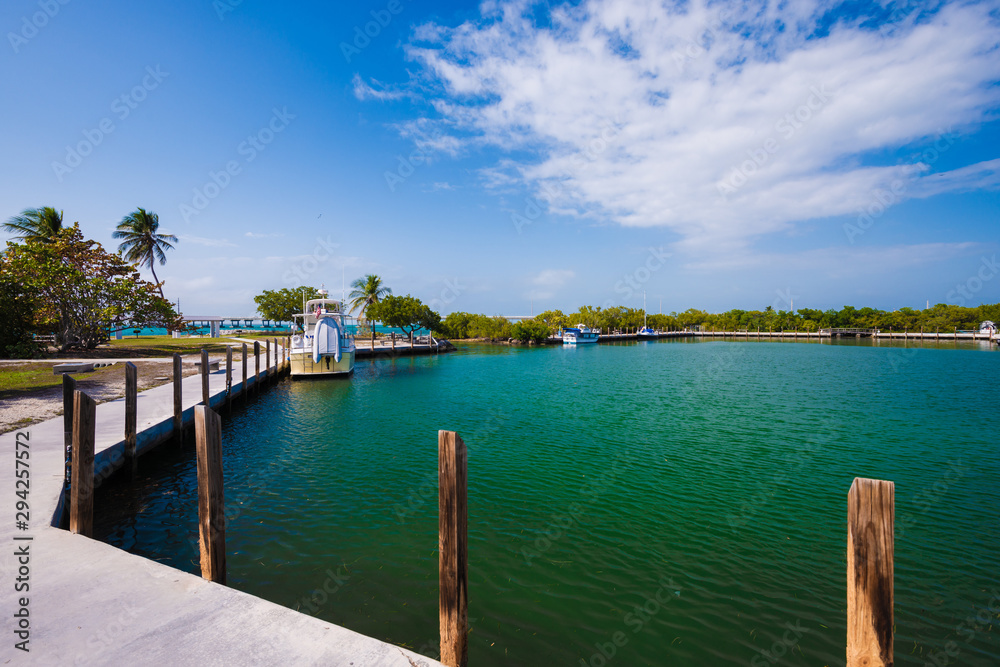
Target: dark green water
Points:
(704, 481)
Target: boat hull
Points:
(302, 365)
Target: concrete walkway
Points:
(89, 603)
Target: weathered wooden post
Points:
(131, 408)
(870, 520)
(81, 498)
(256, 366)
(453, 549)
(229, 379)
(178, 403)
(245, 387)
(211, 505)
(204, 377)
(69, 386)
(267, 360)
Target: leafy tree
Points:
(530, 331)
(281, 304)
(17, 315)
(455, 325)
(554, 319)
(81, 291)
(404, 312)
(41, 225)
(367, 291)
(141, 243)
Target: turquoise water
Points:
(661, 503)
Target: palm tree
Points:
(141, 244)
(366, 291)
(40, 225)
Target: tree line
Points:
(54, 280)
(942, 317)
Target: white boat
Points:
(579, 334)
(645, 331)
(988, 328)
(324, 348)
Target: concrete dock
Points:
(83, 602)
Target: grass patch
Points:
(18, 380)
(151, 346)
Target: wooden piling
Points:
(131, 408)
(229, 379)
(68, 386)
(267, 360)
(178, 403)
(204, 377)
(81, 497)
(211, 504)
(870, 520)
(256, 366)
(245, 388)
(453, 549)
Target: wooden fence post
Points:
(870, 520)
(204, 377)
(81, 498)
(256, 366)
(131, 408)
(245, 387)
(211, 505)
(267, 360)
(178, 403)
(229, 379)
(453, 549)
(69, 386)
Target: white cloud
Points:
(668, 115)
(201, 240)
(254, 235)
(548, 282)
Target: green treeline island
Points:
(941, 317)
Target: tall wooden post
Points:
(178, 403)
(229, 379)
(245, 388)
(453, 549)
(81, 497)
(870, 520)
(131, 408)
(204, 377)
(211, 505)
(69, 386)
(256, 366)
(267, 359)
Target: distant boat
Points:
(324, 348)
(645, 331)
(579, 334)
(988, 328)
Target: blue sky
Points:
(512, 156)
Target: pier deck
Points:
(93, 604)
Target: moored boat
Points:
(325, 347)
(579, 334)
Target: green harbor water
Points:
(656, 503)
